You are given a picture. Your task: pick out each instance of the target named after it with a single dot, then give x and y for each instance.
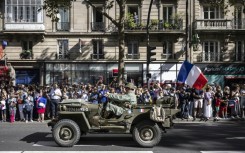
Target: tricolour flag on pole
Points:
(191, 75)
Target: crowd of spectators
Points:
(32, 102)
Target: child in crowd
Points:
(41, 107)
(12, 107)
(3, 109)
(28, 108)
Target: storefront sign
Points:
(223, 69)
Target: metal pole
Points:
(148, 43)
(186, 31)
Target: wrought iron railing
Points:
(167, 56)
(156, 25)
(220, 57)
(63, 26)
(133, 56)
(97, 26)
(238, 23)
(97, 56)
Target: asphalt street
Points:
(185, 137)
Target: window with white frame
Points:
(24, 11)
(133, 50)
(167, 50)
(63, 48)
(239, 51)
(98, 49)
(213, 12)
(211, 51)
(98, 19)
(238, 22)
(168, 13)
(63, 23)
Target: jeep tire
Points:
(66, 133)
(147, 134)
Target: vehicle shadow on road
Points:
(46, 139)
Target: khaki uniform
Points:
(130, 97)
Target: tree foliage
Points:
(52, 7)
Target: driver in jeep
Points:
(126, 100)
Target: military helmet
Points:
(130, 86)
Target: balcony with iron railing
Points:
(97, 56)
(219, 57)
(167, 56)
(238, 24)
(97, 26)
(63, 26)
(155, 25)
(133, 56)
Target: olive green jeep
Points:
(146, 123)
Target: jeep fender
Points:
(79, 118)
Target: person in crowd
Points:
(190, 102)
(218, 99)
(235, 94)
(138, 93)
(242, 93)
(55, 95)
(65, 93)
(41, 106)
(223, 105)
(146, 97)
(207, 113)
(21, 95)
(12, 102)
(156, 90)
(28, 108)
(85, 95)
(198, 96)
(94, 96)
(136, 18)
(183, 103)
(3, 108)
(113, 83)
(102, 93)
(127, 100)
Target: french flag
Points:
(191, 75)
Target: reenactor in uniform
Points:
(126, 100)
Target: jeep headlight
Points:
(63, 108)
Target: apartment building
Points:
(220, 53)
(83, 45)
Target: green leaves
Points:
(52, 7)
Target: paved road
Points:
(185, 137)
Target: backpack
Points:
(157, 114)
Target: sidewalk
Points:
(198, 120)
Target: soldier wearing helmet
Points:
(127, 100)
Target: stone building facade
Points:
(83, 46)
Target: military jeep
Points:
(145, 122)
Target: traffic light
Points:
(150, 53)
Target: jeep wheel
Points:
(147, 134)
(66, 133)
